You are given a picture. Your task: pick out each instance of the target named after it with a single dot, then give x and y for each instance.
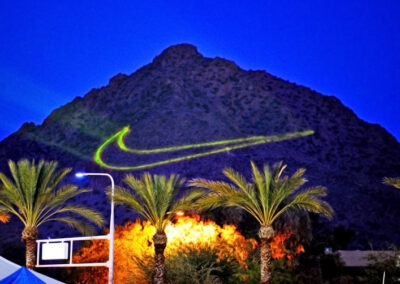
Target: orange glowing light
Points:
(180, 213)
(134, 241)
(300, 249)
(279, 249)
(4, 218)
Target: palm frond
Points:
(153, 197)
(58, 176)
(12, 191)
(278, 170)
(81, 226)
(282, 188)
(313, 205)
(142, 193)
(316, 191)
(260, 183)
(220, 187)
(43, 175)
(187, 201)
(128, 198)
(229, 196)
(87, 213)
(392, 181)
(296, 180)
(11, 209)
(238, 180)
(247, 189)
(33, 195)
(268, 196)
(63, 194)
(211, 201)
(309, 200)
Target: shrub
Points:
(191, 265)
(383, 262)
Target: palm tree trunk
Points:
(29, 236)
(265, 248)
(266, 233)
(160, 242)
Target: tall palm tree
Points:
(155, 198)
(266, 197)
(392, 181)
(35, 196)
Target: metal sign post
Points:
(70, 243)
(59, 250)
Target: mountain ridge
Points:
(182, 98)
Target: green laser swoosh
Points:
(235, 144)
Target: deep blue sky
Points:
(52, 51)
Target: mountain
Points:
(183, 98)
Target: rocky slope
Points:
(183, 98)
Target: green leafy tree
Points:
(35, 196)
(268, 196)
(155, 198)
(392, 181)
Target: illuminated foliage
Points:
(279, 248)
(4, 218)
(230, 144)
(133, 242)
(134, 248)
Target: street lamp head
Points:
(80, 175)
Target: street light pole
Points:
(111, 234)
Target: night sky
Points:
(53, 51)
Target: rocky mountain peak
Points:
(118, 79)
(179, 54)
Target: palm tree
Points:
(155, 198)
(392, 181)
(32, 197)
(266, 197)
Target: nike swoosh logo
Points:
(228, 145)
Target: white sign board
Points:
(52, 251)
